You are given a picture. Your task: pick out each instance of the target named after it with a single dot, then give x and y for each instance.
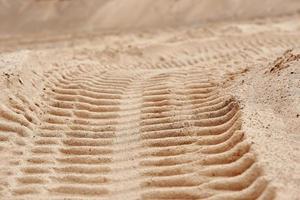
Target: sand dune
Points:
(209, 111)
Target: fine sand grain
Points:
(209, 111)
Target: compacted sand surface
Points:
(206, 111)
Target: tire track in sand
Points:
(106, 135)
(201, 153)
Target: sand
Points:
(108, 103)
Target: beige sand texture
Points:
(150, 100)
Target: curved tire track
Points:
(159, 132)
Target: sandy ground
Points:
(188, 107)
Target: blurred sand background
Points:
(54, 16)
